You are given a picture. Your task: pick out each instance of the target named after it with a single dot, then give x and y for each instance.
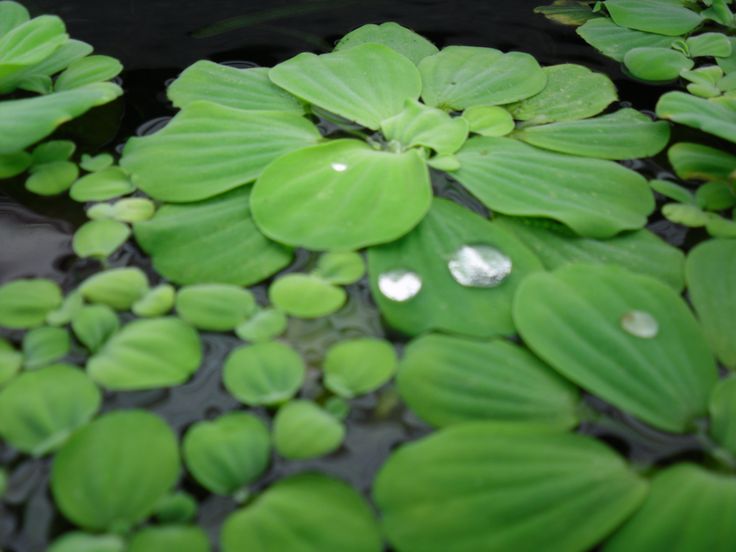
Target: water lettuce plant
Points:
(532, 316)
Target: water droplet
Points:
(399, 285)
(640, 324)
(479, 266)
(339, 167)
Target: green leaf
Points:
(449, 380)
(215, 307)
(156, 302)
(707, 115)
(711, 279)
(10, 359)
(227, 454)
(99, 238)
(687, 215)
(82, 542)
(371, 196)
(572, 92)
(688, 508)
(662, 370)
(398, 38)
(720, 227)
(264, 325)
(53, 150)
(303, 430)
(220, 230)
(484, 486)
(567, 12)
(30, 42)
(249, 89)
(52, 178)
(672, 190)
(101, 185)
(709, 44)
(62, 315)
(442, 302)
(44, 345)
(306, 296)
(263, 374)
(345, 83)
(614, 41)
(594, 197)
(118, 288)
(104, 477)
(181, 538)
(40, 409)
(12, 14)
(12, 164)
(147, 354)
(97, 162)
(715, 196)
(639, 251)
(699, 162)
(176, 507)
(306, 512)
(88, 70)
(656, 64)
(358, 366)
(419, 125)
(340, 267)
(625, 134)
(722, 410)
(24, 122)
(94, 325)
(131, 209)
(654, 16)
(463, 76)
(25, 303)
(210, 149)
(728, 64)
(489, 120)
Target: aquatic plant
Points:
(362, 148)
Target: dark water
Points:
(156, 40)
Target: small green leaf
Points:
(44, 345)
(567, 12)
(463, 76)
(99, 238)
(96, 163)
(228, 453)
(572, 92)
(156, 302)
(181, 538)
(654, 16)
(656, 64)
(489, 120)
(104, 478)
(307, 512)
(662, 370)
(358, 366)
(673, 191)
(303, 430)
(699, 162)
(53, 150)
(88, 70)
(12, 164)
(419, 125)
(176, 507)
(711, 279)
(132, 209)
(706, 115)
(52, 178)
(69, 307)
(685, 214)
(10, 359)
(93, 325)
(306, 296)
(83, 542)
(715, 196)
(722, 410)
(40, 409)
(343, 82)
(264, 325)
(25, 303)
(398, 38)
(340, 267)
(720, 227)
(264, 373)
(118, 288)
(614, 41)
(215, 307)
(101, 185)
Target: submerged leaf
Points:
(398, 38)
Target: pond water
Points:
(155, 40)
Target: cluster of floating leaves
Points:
(564, 263)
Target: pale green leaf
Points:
(340, 267)
(88, 70)
(489, 120)
(53, 178)
(101, 185)
(398, 38)
(303, 430)
(118, 288)
(614, 41)
(709, 44)
(83, 542)
(30, 43)
(672, 190)
(156, 302)
(707, 115)
(419, 125)
(699, 162)
(93, 325)
(358, 366)
(306, 296)
(25, 303)
(656, 64)
(215, 307)
(99, 238)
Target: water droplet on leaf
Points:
(640, 324)
(339, 167)
(479, 266)
(399, 285)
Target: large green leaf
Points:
(365, 84)
(40, 409)
(30, 42)
(699, 162)
(341, 195)
(711, 282)
(639, 251)
(629, 339)
(398, 38)
(110, 474)
(490, 487)
(594, 197)
(442, 302)
(305, 513)
(210, 241)
(614, 41)
(146, 354)
(663, 17)
(208, 149)
(462, 76)
(711, 116)
(449, 380)
(625, 134)
(23, 122)
(248, 89)
(688, 508)
(572, 92)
